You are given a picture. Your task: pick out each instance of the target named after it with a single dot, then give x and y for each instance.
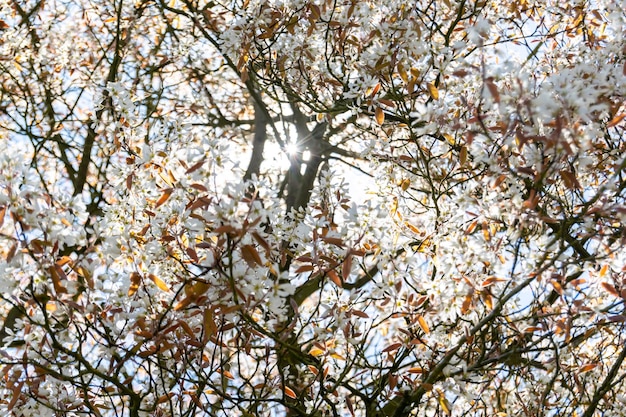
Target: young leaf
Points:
(432, 91)
(159, 282)
(166, 194)
(290, 393)
(380, 116)
(135, 281)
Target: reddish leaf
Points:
(346, 268)
(333, 241)
(304, 268)
(360, 313)
(251, 256)
(610, 288)
(392, 347)
(192, 254)
(334, 278)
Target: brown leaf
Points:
(463, 155)
(471, 227)
(304, 268)
(57, 275)
(199, 187)
(392, 347)
(360, 313)
(610, 288)
(467, 304)
(225, 229)
(192, 254)
(493, 89)
(333, 241)
(210, 328)
(251, 256)
(346, 268)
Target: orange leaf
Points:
(604, 270)
(166, 194)
(498, 181)
(587, 367)
(315, 351)
(380, 116)
(334, 277)
(290, 393)
(3, 211)
(226, 373)
(64, 260)
(135, 280)
(471, 227)
(618, 118)
(197, 289)
(422, 322)
(489, 281)
(467, 304)
(159, 282)
(416, 370)
(487, 299)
